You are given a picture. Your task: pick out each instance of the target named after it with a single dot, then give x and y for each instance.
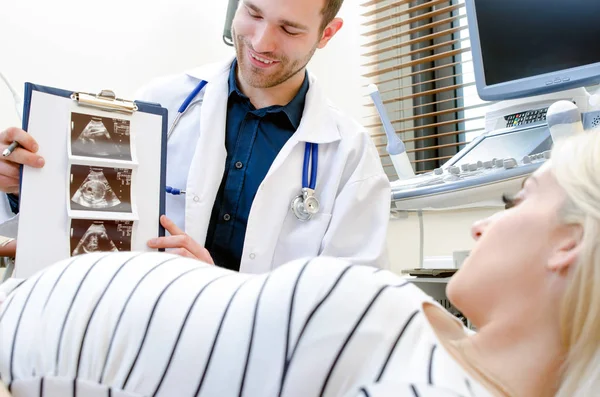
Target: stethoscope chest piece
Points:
(305, 205)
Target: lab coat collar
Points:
(317, 124)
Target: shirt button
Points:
(227, 217)
(196, 198)
(252, 256)
(239, 165)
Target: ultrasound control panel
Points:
(527, 117)
(479, 170)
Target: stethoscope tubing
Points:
(311, 150)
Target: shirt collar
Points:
(293, 109)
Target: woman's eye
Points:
(510, 201)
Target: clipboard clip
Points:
(106, 100)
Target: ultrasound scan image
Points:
(100, 188)
(89, 236)
(94, 136)
(95, 192)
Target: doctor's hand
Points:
(180, 243)
(8, 247)
(23, 154)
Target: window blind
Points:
(418, 53)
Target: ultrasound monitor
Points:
(530, 47)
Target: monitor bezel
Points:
(546, 83)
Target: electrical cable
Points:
(18, 101)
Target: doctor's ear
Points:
(567, 250)
(330, 30)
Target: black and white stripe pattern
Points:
(127, 324)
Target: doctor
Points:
(269, 170)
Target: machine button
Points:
(510, 163)
(454, 170)
(547, 154)
(499, 163)
(473, 167)
(488, 164)
(464, 167)
(526, 160)
(438, 171)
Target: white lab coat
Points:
(352, 188)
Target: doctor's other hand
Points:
(24, 154)
(8, 248)
(180, 243)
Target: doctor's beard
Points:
(274, 76)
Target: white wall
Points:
(444, 233)
(80, 45)
(121, 44)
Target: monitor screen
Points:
(545, 41)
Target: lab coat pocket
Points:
(300, 239)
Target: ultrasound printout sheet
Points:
(102, 187)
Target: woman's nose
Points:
(478, 228)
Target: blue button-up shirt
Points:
(253, 139)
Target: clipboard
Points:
(102, 187)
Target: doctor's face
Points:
(275, 39)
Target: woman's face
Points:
(510, 266)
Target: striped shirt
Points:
(153, 324)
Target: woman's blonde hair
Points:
(576, 166)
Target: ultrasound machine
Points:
(527, 55)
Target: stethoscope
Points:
(303, 206)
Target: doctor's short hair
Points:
(329, 11)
